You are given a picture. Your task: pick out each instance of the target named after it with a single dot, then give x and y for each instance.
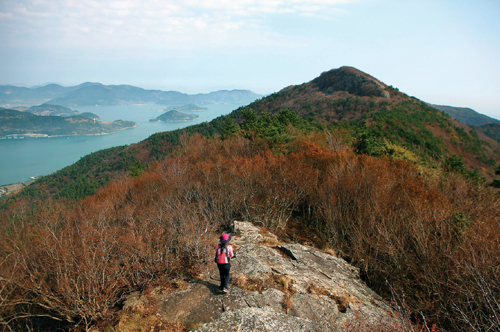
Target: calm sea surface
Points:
(20, 159)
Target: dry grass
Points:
(239, 281)
(342, 300)
(195, 326)
(287, 302)
(285, 282)
(265, 232)
(281, 282)
(178, 284)
(136, 322)
(249, 284)
(268, 238)
(317, 290)
(144, 319)
(270, 242)
(330, 251)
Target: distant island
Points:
(188, 107)
(175, 116)
(56, 110)
(15, 125)
(48, 109)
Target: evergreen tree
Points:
(230, 128)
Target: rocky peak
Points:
(278, 287)
(351, 80)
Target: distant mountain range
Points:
(466, 115)
(97, 94)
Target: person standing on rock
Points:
(223, 255)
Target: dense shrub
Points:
(435, 239)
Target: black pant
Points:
(224, 275)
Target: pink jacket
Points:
(221, 257)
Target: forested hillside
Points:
(492, 130)
(381, 114)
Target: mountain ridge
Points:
(352, 80)
(466, 115)
(382, 112)
(377, 125)
(91, 94)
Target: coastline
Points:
(153, 120)
(25, 136)
(7, 190)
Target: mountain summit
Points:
(379, 116)
(351, 80)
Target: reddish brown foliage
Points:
(428, 238)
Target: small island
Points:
(188, 107)
(171, 116)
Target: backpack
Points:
(218, 257)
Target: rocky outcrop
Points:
(278, 287)
(351, 80)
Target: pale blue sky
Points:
(443, 52)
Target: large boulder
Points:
(283, 285)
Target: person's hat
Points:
(225, 238)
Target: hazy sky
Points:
(443, 52)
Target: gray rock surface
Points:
(278, 287)
(257, 319)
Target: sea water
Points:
(21, 159)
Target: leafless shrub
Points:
(73, 262)
(480, 311)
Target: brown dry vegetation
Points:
(435, 239)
